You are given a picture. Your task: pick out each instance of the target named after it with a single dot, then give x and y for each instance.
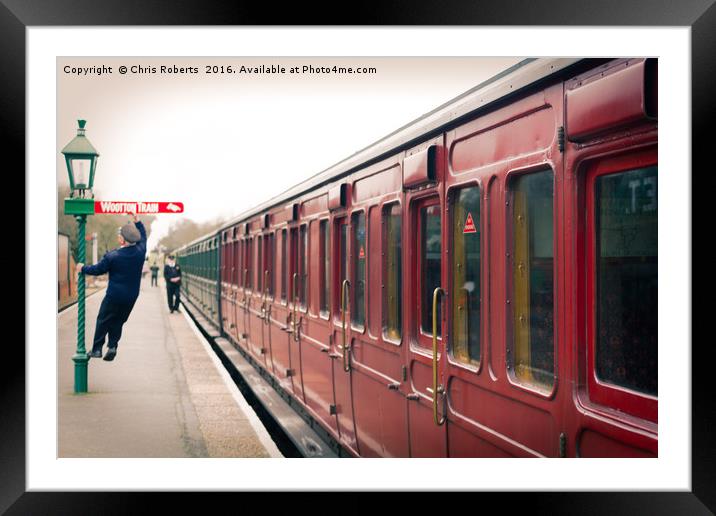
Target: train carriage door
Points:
(426, 402)
(224, 268)
(235, 266)
(239, 275)
(618, 327)
(611, 171)
(426, 286)
(247, 287)
(255, 326)
(297, 304)
(280, 326)
(267, 296)
(342, 286)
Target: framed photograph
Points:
(173, 103)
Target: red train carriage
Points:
(483, 282)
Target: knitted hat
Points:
(130, 233)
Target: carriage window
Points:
(533, 278)
(325, 260)
(269, 265)
(227, 261)
(293, 265)
(360, 254)
(430, 235)
(211, 272)
(284, 268)
(342, 262)
(303, 266)
(260, 266)
(231, 261)
(235, 263)
(223, 262)
(392, 270)
(214, 263)
(466, 275)
(626, 274)
(240, 271)
(247, 263)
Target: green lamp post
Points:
(81, 160)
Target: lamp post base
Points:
(80, 373)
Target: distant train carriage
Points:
(481, 283)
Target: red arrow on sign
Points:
(140, 208)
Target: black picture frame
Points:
(700, 15)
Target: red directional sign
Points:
(140, 208)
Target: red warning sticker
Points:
(361, 253)
(469, 225)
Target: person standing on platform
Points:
(124, 266)
(172, 277)
(155, 273)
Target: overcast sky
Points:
(223, 143)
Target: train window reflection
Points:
(626, 270)
(295, 276)
(236, 251)
(224, 260)
(303, 266)
(360, 253)
(533, 278)
(249, 262)
(269, 264)
(260, 265)
(325, 260)
(284, 268)
(393, 271)
(430, 243)
(342, 263)
(242, 254)
(466, 275)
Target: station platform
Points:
(165, 394)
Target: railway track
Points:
(296, 434)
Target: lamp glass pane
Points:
(81, 172)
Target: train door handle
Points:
(344, 301)
(394, 386)
(413, 396)
(437, 390)
(294, 320)
(244, 302)
(264, 302)
(288, 328)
